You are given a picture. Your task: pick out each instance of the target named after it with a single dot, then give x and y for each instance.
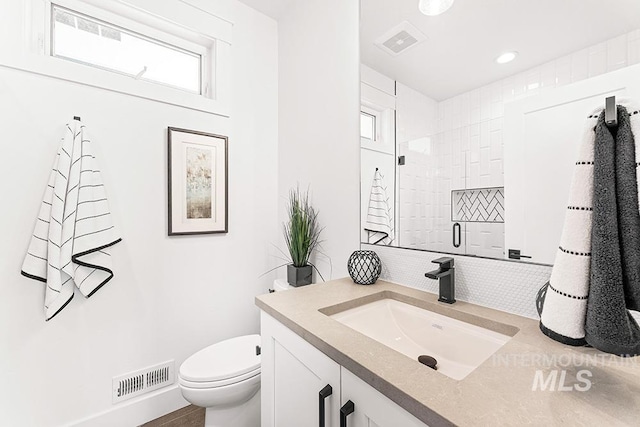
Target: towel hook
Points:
(76, 118)
(610, 112)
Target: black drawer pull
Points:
(324, 393)
(346, 409)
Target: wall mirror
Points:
(471, 118)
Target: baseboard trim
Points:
(137, 411)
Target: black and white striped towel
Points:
(379, 224)
(69, 246)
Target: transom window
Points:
(83, 39)
(367, 126)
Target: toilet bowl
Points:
(224, 378)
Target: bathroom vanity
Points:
(315, 367)
(303, 379)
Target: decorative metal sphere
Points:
(364, 267)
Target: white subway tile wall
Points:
(504, 285)
(466, 150)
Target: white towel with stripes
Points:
(565, 302)
(73, 232)
(379, 224)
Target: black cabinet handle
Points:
(324, 393)
(346, 409)
(456, 230)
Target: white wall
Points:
(170, 296)
(318, 133)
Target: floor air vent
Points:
(143, 381)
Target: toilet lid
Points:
(223, 360)
(281, 285)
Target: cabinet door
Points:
(293, 374)
(371, 408)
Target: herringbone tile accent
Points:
(478, 205)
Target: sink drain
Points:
(429, 361)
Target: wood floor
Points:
(189, 416)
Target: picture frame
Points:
(197, 182)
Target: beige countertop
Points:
(497, 393)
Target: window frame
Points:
(176, 24)
(374, 127)
(384, 141)
(165, 40)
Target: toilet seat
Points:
(220, 383)
(222, 397)
(222, 364)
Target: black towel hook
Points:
(610, 112)
(76, 118)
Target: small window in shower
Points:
(367, 126)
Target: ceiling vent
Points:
(400, 38)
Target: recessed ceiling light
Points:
(506, 57)
(434, 7)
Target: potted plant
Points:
(302, 236)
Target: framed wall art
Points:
(198, 184)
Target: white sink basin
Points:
(459, 347)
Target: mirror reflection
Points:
(471, 117)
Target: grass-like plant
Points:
(301, 231)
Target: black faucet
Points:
(446, 275)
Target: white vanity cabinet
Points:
(370, 407)
(293, 375)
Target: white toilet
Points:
(281, 285)
(225, 379)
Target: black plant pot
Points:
(299, 276)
